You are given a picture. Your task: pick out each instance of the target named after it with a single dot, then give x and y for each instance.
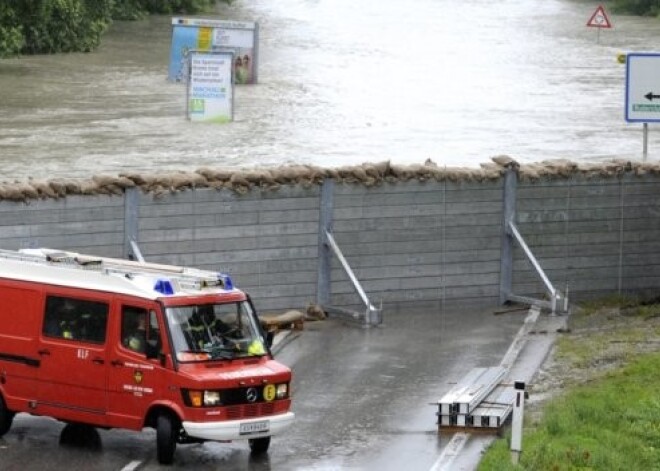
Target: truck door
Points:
(21, 310)
(72, 349)
(136, 373)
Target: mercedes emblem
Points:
(251, 395)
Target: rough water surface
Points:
(340, 83)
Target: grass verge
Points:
(604, 410)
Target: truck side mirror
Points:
(152, 349)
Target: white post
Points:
(645, 141)
(517, 422)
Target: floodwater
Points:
(340, 82)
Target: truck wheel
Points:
(166, 432)
(259, 446)
(6, 417)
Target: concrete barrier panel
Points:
(437, 243)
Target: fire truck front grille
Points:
(246, 411)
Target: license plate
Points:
(254, 427)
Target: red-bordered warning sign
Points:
(599, 19)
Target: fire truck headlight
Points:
(211, 398)
(282, 391)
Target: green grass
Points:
(615, 300)
(645, 312)
(629, 305)
(603, 347)
(612, 423)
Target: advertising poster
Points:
(210, 89)
(197, 34)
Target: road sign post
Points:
(643, 91)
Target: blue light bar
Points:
(164, 286)
(226, 281)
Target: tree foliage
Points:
(135, 9)
(61, 25)
(11, 33)
(637, 7)
(48, 26)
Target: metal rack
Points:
(477, 401)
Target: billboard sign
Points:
(210, 93)
(198, 34)
(643, 87)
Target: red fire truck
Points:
(121, 344)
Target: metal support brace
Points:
(137, 254)
(553, 293)
(509, 213)
(372, 315)
(510, 234)
(131, 203)
(325, 256)
(326, 246)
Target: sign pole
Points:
(645, 145)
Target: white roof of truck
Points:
(114, 275)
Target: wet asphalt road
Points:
(361, 398)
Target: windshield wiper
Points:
(222, 352)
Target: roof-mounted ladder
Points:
(190, 278)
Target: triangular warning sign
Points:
(599, 19)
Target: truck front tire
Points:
(166, 433)
(6, 417)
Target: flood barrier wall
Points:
(431, 242)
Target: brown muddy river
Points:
(340, 82)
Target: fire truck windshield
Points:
(215, 331)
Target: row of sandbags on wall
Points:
(368, 174)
